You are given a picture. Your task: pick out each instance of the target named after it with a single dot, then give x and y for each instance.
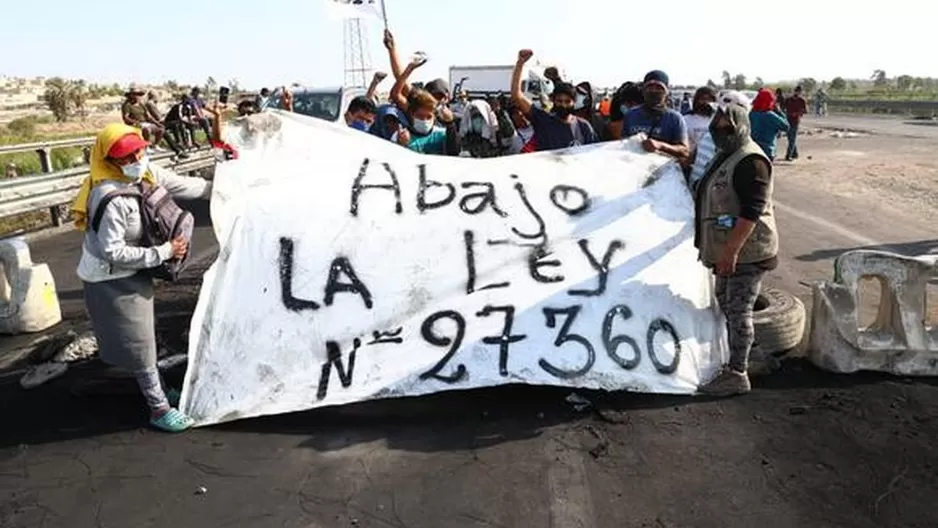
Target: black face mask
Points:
(703, 109)
(562, 111)
(655, 98)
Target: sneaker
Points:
(727, 383)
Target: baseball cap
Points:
(564, 88)
(437, 86)
(127, 145)
(656, 76)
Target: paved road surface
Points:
(885, 125)
(817, 451)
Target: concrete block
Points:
(898, 341)
(28, 300)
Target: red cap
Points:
(126, 145)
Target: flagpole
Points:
(384, 13)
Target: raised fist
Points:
(525, 55)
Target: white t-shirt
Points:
(697, 127)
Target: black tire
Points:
(778, 318)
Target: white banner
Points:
(356, 8)
(352, 269)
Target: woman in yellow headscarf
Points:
(119, 299)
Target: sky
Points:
(606, 42)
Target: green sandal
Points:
(172, 421)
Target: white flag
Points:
(356, 8)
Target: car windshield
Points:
(322, 105)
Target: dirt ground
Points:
(806, 448)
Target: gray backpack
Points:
(161, 220)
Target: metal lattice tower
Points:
(357, 55)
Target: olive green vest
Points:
(718, 199)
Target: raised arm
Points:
(396, 70)
(373, 87)
(398, 97)
(517, 96)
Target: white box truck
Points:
(480, 81)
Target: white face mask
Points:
(423, 126)
(135, 171)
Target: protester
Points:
(118, 297)
(196, 115)
(459, 106)
(179, 124)
(686, 104)
(701, 112)
(376, 80)
(552, 74)
(736, 236)
(135, 113)
(506, 129)
(478, 131)
(585, 109)
(558, 129)
(247, 107)
(361, 113)
(664, 127)
(795, 107)
(430, 131)
(780, 100)
(766, 122)
(389, 121)
(263, 99)
(157, 118)
(627, 97)
(523, 141)
(286, 99)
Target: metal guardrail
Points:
(52, 190)
(46, 145)
(921, 107)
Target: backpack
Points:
(161, 220)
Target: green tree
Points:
(809, 84)
(838, 84)
(739, 82)
(57, 99)
(711, 84)
(727, 79)
(904, 82)
(78, 96)
(879, 78)
(759, 83)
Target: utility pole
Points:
(357, 54)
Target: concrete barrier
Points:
(28, 301)
(898, 341)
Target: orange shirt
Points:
(287, 101)
(604, 107)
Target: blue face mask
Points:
(358, 124)
(624, 109)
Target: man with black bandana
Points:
(665, 128)
(558, 129)
(736, 236)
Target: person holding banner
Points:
(736, 236)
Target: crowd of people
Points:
(725, 144)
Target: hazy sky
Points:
(604, 41)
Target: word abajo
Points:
(565, 335)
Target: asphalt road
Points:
(804, 449)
